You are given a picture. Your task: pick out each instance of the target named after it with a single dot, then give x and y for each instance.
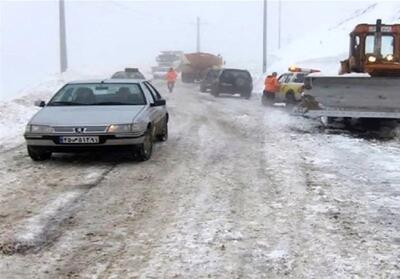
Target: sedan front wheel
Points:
(38, 154)
(146, 148)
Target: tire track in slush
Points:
(33, 233)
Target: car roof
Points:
(115, 80)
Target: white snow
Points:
(33, 229)
(323, 49)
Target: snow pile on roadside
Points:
(14, 114)
(323, 49)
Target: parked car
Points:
(230, 81)
(129, 73)
(292, 84)
(104, 114)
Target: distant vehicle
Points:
(230, 81)
(99, 115)
(292, 84)
(159, 72)
(165, 60)
(195, 65)
(169, 58)
(129, 73)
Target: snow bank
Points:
(323, 49)
(14, 114)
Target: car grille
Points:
(80, 129)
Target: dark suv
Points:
(230, 81)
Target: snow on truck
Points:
(368, 86)
(195, 65)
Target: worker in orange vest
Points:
(171, 79)
(271, 87)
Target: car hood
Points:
(85, 115)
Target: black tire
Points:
(145, 149)
(203, 88)
(38, 153)
(245, 95)
(164, 133)
(290, 98)
(215, 91)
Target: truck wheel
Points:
(38, 154)
(146, 148)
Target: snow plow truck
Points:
(368, 84)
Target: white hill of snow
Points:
(324, 49)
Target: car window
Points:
(299, 78)
(282, 78)
(99, 94)
(288, 78)
(154, 90)
(231, 75)
(212, 74)
(148, 91)
(154, 94)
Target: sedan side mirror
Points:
(159, 103)
(40, 103)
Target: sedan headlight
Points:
(39, 129)
(371, 59)
(120, 128)
(135, 128)
(139, 127)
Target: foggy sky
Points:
(104, 35)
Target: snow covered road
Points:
(238, 191)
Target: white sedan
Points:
(103, 114)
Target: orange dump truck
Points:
(195, 65)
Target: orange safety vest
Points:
(171, 76)
(271, 84)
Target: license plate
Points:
(79, 140)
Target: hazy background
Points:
(105, 35)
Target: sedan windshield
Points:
(98, 94)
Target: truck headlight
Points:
(389, 57)
(120, 128)
(39, 129)
(371, 59)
